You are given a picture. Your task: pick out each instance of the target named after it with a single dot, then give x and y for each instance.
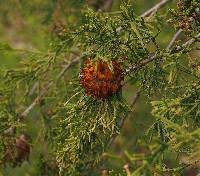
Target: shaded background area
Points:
(31, 25)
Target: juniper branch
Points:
(46, 88)
(155, 56)
(148, 12)
(25, 113)
(106, 7)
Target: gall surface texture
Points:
(99, 80)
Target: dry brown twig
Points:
(175, 37)
(155, 8)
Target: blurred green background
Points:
(28, 24)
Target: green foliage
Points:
(46, 166)
(9, 121)
(43, 91)
(85, 129)
(178, 119)
(126, 35)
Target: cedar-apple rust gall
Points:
(99, 80)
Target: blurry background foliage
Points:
(32, 25)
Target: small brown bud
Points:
(127, 169)
(104, 172)
(23, 148)
(18, 150)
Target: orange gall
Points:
(99, 80)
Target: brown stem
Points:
(175, 37)
(135, 98)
